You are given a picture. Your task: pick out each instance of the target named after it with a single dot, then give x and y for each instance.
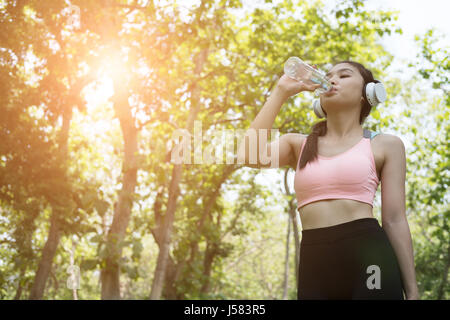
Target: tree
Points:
(430, 176)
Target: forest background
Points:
(91, 207)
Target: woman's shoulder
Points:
(390, 141)
(296, 141)
(387, 139)
(389, 144)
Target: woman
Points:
(344, 252)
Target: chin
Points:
(333, 104)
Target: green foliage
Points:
(221, 248)
(434, 63)
(428, 174)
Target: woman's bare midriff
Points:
(330, 212)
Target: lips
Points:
(332, 90)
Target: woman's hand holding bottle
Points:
(288, 87)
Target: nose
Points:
(332, 80)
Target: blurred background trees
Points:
(93, 92)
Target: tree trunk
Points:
(48, 254)
(294, 217)
(443, 283)
(111, 272)
(207, 210)
(286, 263)
(173, 269)
(166, 232)
(20, 287)
(210, 254)
(293, 214)
(170, 282)
(54, 234)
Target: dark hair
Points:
(320, 128)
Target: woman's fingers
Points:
(293, 86)
(312, 87)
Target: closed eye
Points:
(345, 76)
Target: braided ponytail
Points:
(310, 150)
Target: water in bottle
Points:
(301, 71)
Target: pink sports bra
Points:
(351, 174)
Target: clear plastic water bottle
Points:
(299, 70)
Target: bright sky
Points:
(414, 17)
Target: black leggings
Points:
(352, 260)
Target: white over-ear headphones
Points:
(373, 92)
(318, 109)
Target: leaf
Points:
(101, 206)
(97, 238)
(89, 264)
(137, 248)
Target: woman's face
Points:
(347, 85)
